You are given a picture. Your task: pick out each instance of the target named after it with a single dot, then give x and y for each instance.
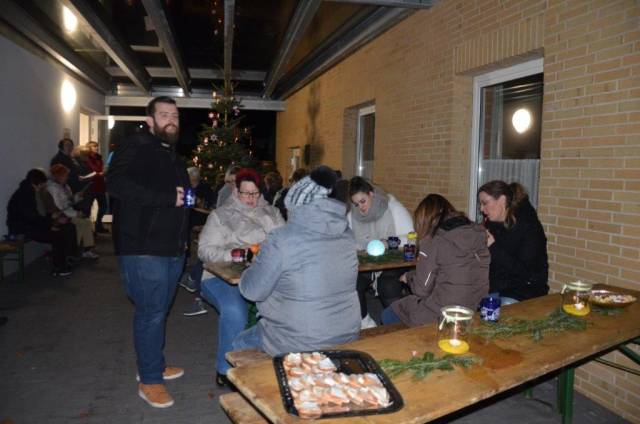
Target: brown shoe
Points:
(170, 373)
(156, 395)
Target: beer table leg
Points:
(565, 395)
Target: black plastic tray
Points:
(348, 362)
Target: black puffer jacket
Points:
(519, 267)
(143, 177)
(22, 212)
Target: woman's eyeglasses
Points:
(249, 193)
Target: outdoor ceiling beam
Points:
(346, 43)
(300, 21)
(248, 103)
(46, 39)
(229, 16)
(146, 49)
(410, 4)
(167, 41)
(111, 41)
(195, 73)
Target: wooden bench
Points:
(12, 251)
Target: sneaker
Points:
(367, 322)
(156, 395)
(88, 254)
(196, 308)
(170, 373)
(188, 284)
(61, 272)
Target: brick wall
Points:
(419, 76)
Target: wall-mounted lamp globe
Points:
(375, 248)
(111, 122)
(521, 120)
(69, 19)
(67, 96)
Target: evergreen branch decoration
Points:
(420, 366)
(555, 322)
(606, 311)
(388, 257)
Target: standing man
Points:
(150, 235)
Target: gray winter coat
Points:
(453, 269)
(304, 281)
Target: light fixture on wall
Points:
(111, 122)
(67, 96)
(69, 19)
(521, 120)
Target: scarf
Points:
(379, 206)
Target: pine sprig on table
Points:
(555, 322)
(420, 366)
(389, 256)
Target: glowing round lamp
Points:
(375, 248)
(521, 120)
(111, 122)
(69, 19)
(67, 96)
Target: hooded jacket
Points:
(143, 177)
(235, 225)
(519, 265)
(453, 269)
(304, 281)
(22, 212)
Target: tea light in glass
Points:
(575, 298)
(452, 331)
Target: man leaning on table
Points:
(150, 236)
(304, 279)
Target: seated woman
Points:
(519, 267)
(24, 218)
(244, 219)
(304, 279)
(64, 200)
(376, 215)
(453, 265)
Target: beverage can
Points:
(189, 198)
(490, 308)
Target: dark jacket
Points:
(519, 267)
(22, 212)
(143, 177)
(453, 269)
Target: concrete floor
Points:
(67, 357)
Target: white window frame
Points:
(521, 70)
(367, 110)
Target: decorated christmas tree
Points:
(223, 141)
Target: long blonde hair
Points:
(431, 213)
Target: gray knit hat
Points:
(317, 185)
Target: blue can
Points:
(189, 198)
(490, 308)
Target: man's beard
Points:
(163, 135)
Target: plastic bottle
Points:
(410, 247)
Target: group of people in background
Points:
(304, 282)
(54, 206)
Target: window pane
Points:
(366, 144)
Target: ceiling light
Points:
(521, 120)
(67, 96)
(69, 19)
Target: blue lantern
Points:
(375, 248)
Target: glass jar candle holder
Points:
(575, 298)
(452, 331)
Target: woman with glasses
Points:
(376, 215)
(243, 220)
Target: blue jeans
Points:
(389, 316)
(150, 282)
(232, 307)
(248, 339)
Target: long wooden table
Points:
(507, 363)
(231, 273)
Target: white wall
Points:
(32, 119)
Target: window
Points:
(365, 137)
(507, 124)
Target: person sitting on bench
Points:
(24, 219)
(304, 278)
